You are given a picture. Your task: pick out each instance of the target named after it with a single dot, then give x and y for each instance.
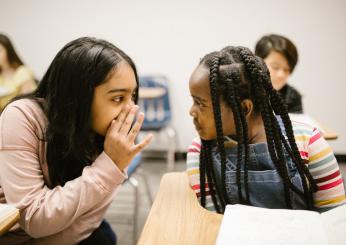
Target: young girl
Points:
(249, 151)
(281, 56)
(64, 149)
(15, 77)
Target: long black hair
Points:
(237, 74)
(12, 56)
(65, 94)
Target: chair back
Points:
(136, 161)
(154, 102)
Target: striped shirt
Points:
(315, 152)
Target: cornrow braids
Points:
(292, 148)
(236, 77)
(202, 171)
(252, 66)
(211, 178)
(277, 105)
(218, 123)
(206, 169)
(247, 151)
(206, 163)
(280, 109)
(235, 74)
(275, 151)
(233, 100)
(239, 128)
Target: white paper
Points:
(252, 225)
(334, 222)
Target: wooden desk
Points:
(9, 216)
(177, 218)
(327, 133)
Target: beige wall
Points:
(169, 37)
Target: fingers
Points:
(122, 127)
(121, 118)
(119, 141)
(136, 127)
(111, 128)
(137, 148)
(125, 127)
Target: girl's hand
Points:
(119, 142)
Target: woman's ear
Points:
(247, 106)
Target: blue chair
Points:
(154, 101)
(135, 169)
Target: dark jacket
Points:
(292, 98)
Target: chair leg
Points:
(171, 148)
(134, 183)
(143, 175)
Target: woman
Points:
(15, 77)
(65, 147)
(281, 56)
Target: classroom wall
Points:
(169, 37)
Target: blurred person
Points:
(281, 56)
(15, 77)
(65, 148)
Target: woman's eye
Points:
(118, 99)
(274, 67)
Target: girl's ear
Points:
(247, 106)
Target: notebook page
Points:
(335, 225)
(256, 226)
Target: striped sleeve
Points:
(192, 169)
(323, 167)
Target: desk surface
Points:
(176, 217)
(327, 133)
(9, 216)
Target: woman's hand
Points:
(119, 142)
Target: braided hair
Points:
(236, 74)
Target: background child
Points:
(281, 57)
(15, 77)
(65, 147)
(249, 151)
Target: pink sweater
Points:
(60, 215)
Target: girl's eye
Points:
(199, 104)
(118, 99)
